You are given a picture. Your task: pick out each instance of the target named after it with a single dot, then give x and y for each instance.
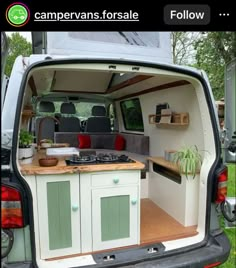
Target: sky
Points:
(27, 35)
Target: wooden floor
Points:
(158, 226)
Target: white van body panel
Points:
(155, 46)
(4, 89)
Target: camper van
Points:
(110, 156)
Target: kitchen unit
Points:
(85, 207)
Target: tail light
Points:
(212, 265)
(11, 208)
(221, 191)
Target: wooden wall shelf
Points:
(167, 164)
(177, 120)
(26, 115)
(162, 162)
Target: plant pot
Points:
(169, 155)
(25, 155)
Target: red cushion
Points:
(119, 143)
(84, 141)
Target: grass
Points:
(231, 232)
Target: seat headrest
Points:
(46, 106)
(98, 111)
(68, 108)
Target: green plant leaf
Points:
(25, 138)
(188, 159)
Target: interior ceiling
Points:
(143, 85)
(81, 81)
(113, 85)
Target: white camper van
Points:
(124, 168)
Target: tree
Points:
(183, 47)
(213, 51)
(18, 45)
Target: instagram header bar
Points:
(167, 17)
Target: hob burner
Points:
(83, 159)
(101, 158)
(104, 158)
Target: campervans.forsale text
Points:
(111, 156)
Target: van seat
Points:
(68, 124)
(99, 122)
(48, 128)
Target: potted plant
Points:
(25, 154)
(46, 143)
(189, 160)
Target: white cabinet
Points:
(114, 211)
(79, 213)
(58, 214)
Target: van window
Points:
(111, 115)
(132, 115)
(83, 109)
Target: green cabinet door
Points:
(115, 220)
(59, 214)
(115, 215)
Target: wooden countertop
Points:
(167, 164)
(35, 169)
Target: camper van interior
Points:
(113, 129)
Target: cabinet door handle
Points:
(75, 207)
(134, 202)
(116, 180)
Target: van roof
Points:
(154, 46)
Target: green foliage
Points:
(18, 45)
(231, 185)
(214, 50)
(26, 138)
(84, 109)
(231, 232)
(207, 51)
(188, 160)
(183, 47)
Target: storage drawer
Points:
(115, 178)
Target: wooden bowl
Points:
(48, 162)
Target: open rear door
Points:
(4, 78)
(230, 111)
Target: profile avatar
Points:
(17, 14)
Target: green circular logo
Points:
(17, 14)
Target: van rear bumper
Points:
(215, 251)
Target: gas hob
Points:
(98, 159)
